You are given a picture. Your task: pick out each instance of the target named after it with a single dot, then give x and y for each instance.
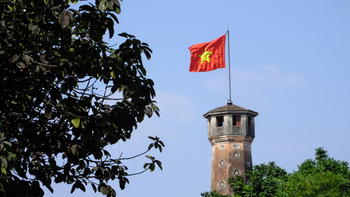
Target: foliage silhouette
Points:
(65, 94)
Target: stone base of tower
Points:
(230, 157)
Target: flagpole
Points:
(229, 101)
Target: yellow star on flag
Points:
(205, 57)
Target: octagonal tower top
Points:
(230, 122)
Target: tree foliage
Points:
(320, 177)
(65, 94)
(211, 194)
(323, 177)
(263, 181)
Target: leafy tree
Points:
(65, 94)
(321, 177)
(263, 181)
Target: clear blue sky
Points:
(290, 62)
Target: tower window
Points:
(236, 120)
(219, 121)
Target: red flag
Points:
(208, 56)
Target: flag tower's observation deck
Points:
(231, 130)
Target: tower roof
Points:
(230, 109)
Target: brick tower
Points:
(231, 132)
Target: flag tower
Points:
(231, 128)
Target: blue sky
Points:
(290, 62)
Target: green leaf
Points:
(159, 164)
(74, 149)
(101, 5)
(93, 187)
(152, 167)
(148, 54)
(76, 122)
(152, 138)
(64, 18)
(146, 165)
(150, 157)
(112, 74)
(86, 8)
(32, 27)
(73, 187)
(114, 17)
(110, 26)
(3, 171)
(7, 143)
(104, 190)
(3, 161)
(126, 35)
(150, 146)
(148, 112)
